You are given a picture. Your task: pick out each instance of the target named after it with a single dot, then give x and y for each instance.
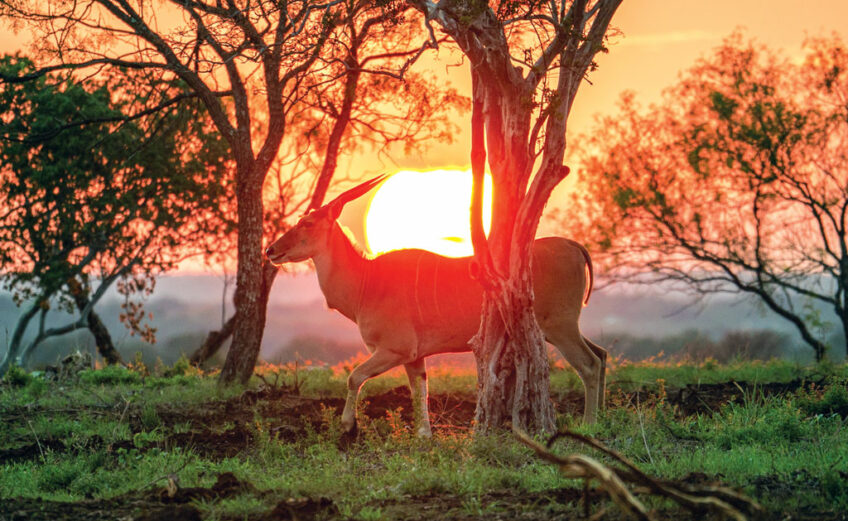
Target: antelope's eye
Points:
(307, 224)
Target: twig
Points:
(720, 499)
(124, 412)
(580, 466)
(37, 442)
(642, 429)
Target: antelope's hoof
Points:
(349, 436)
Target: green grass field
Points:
(110, 443)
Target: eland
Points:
(411, 304)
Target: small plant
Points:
(368, 513)
(149, 417)
(17, 376)
(138, 366)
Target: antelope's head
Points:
(311, 234)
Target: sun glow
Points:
(426, 210)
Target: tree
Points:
(243, 60)
(362, 95)
(527, 61)
(91, 197)
(736, 182)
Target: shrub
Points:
(833, 400)
(17, 376)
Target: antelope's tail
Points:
(588, 258)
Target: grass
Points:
(788, 450)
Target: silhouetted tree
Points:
(363, 95)
(736, 182)
(527, 61)
(91, 197)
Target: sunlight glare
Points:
(427, 210)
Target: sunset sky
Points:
(659, 39)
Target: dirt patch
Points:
(36, 450)
(709, 398)
(162, 503)
(30, 451)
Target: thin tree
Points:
(362, 95)
(527, 61)
(736, 183)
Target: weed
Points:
(368, 513)
(149, 417)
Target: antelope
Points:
(411, 304)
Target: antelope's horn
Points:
(355, 192)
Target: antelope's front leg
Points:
(417, 374)
(378, 363)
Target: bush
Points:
(833, 400)
(17, 376)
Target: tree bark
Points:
(513, 383)
(512, 364)
(214, 341)
(250, 321)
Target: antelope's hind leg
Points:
(589, 366)
(417, 373)
(379, 362)
(601, 353)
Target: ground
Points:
(127, 445)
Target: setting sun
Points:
(426, 210)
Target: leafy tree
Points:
(91, 197)
(736, 182)
(527, 61)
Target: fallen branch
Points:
(716, 499)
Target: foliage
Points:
(93, 196)
(17, 376)
(81, 180)
(734, 183)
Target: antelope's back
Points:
(431, 301)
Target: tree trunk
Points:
(216, 339)
(102, 338)
(512, 364)
(250, 307)
(18, 334)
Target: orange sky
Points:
(660, 38)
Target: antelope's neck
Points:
(341, 272)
